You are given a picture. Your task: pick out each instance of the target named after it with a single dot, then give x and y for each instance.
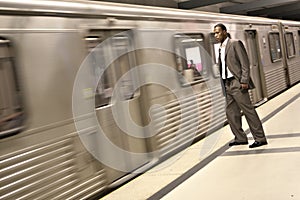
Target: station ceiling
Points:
(278, 9)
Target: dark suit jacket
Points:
(237, 61)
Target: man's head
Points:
(220, 32)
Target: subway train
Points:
(94, 93)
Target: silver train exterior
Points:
(92, 94)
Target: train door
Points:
(274, 68)
(123, 147)
(176, 91)
(256, 94)
(298, 49)
(292, 56)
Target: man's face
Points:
(220, 34)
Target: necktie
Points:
(220, 66)
(220, 63)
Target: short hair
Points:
(222, 26)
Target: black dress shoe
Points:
(237, 143)
(257, 144)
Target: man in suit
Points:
(235, 73)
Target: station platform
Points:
(211, 170)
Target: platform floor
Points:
(211, 170)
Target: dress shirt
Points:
(222, 47)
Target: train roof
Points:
(87, 9)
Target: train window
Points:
(11, 110)
(116, 52)
(275, 47)
(290, 45)
(215, 54)
(190, 62)
(252, 47)
(121, 45)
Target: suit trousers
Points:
(239, 100)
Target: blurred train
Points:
(93, 93)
